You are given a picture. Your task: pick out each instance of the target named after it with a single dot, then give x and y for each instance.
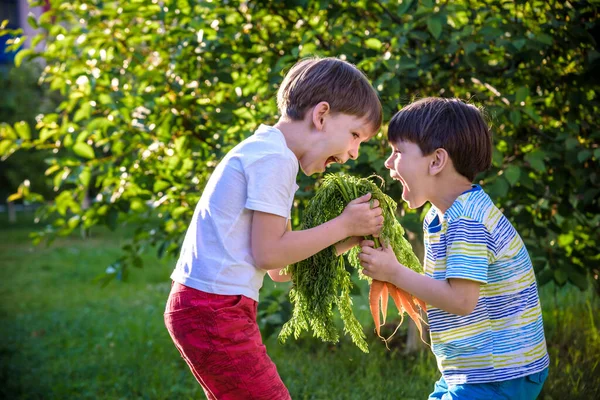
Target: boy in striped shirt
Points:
(483, 306)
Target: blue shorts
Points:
(525, 388)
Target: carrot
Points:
(374, 303)
(420, 303)
(384, 301)
(404, 301)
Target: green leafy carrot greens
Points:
(322, 281)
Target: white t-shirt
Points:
(216, 255)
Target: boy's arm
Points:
(274, 247)
(275, 274)
(456, 296)
(347, 244)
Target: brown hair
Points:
(451, 124)
(341, 84)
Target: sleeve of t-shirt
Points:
(467, 251)
(271, 185)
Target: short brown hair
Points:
(450, 124)
(341, 84)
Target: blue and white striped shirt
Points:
(503, 338)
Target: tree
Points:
(156, 92)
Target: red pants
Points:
(218, 337)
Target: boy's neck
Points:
(295, 135)
(446, 190)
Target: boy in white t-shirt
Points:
(240, 228)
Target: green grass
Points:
(64, 337)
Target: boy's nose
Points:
(387, 163)
(353, 153)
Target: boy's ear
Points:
(438, 161)
(318, 114)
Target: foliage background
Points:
(154, 94)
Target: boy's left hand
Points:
(380, 264)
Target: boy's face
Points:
(341, 137)
(408, 165)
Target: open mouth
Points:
(332, 160)
(399, 179)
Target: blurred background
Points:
(113, 115)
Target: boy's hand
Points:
(363, 217)
(380, 264)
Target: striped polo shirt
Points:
(503, 338)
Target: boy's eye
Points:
(355, 135)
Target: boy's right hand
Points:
(362, 218)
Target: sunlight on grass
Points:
(66, 337)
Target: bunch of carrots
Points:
(405, 302)
(322, 280)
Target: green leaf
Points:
(404, 6)
(105, 98)
(58, 83)
(470, 47)
(373, 43)
(532, 113)
(571, 143)
(52, 169)
(578, 278)
(434, 25)
(14, 196)
(21, 55)
(560, 276)
(83, 112)
(519, 43)
(160, 186)
(181, 144)
(498, 188)
(521, 94)
(32, 21)
(85, 176)
(512, 174)
(84, 150)
(515, 117)
(138, 205)
(491, 33)
(4, 146)
(6, 131)
(583, 155)
(23, 130)
(244, 113)
(536, 160)
(545, 276)
(112, 218)
(74, 221)
(545, 38)
(176, 213)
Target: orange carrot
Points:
(410, 308)
(420, 303)
(404, 301)
(374, 299)
(384, 301)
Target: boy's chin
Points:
(411, 203)
(311, 170)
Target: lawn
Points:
(65, 337)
